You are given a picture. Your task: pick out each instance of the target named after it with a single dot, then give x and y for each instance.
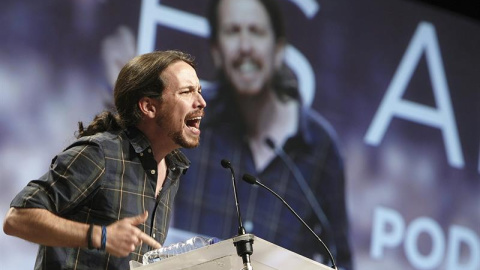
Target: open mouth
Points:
(194, 123)
(247, 65)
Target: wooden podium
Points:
(223, 256)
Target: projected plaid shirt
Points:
(101, 179)
(205, 204)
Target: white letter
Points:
(387, 230)
(392, 104)
(153, 13)
(304, 72)
(417, 259)
(309, 7)
(457, 235)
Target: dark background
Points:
(470, 8)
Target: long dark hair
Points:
(140, 77)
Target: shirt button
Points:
(141, 154)
(149, 150)
(152, 171)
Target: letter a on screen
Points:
(442, 117)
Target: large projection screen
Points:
(398, 82)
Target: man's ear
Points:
(147, 107)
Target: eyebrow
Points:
(190, 87)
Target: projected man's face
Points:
(246, 48)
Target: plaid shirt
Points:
(100, 179)
(206, 205)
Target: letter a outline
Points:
(442, 117)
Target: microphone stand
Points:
(244, 245)
(243, 242)
(254, 181)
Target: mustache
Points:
(197, 113)
(242, 59)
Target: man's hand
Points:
(45, 228)
(123, 236)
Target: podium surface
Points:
(223, 255)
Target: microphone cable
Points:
(253, 180)
(307, 191)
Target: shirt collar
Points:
(303, 137)
(223, 109)
(140, 143)
(303, 131)
(137, 139)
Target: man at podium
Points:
(106, 198)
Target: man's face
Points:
(246, 48)
(181, 105)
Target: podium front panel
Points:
(223, 256)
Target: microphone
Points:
(317, 209)
(244, 246)
(227, 165)
(254, 181)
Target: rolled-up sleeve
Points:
(74, 175)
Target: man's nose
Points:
(245, 41)
(200, 102)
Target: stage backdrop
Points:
(398, 81)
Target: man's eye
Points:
(258, 31)
(230, 30)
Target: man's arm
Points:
(45, 228)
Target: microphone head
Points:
(225, 163)
(249, 179)
(270, 143)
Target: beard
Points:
(179, 139)
(165, 121)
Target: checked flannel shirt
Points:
(100, 179)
